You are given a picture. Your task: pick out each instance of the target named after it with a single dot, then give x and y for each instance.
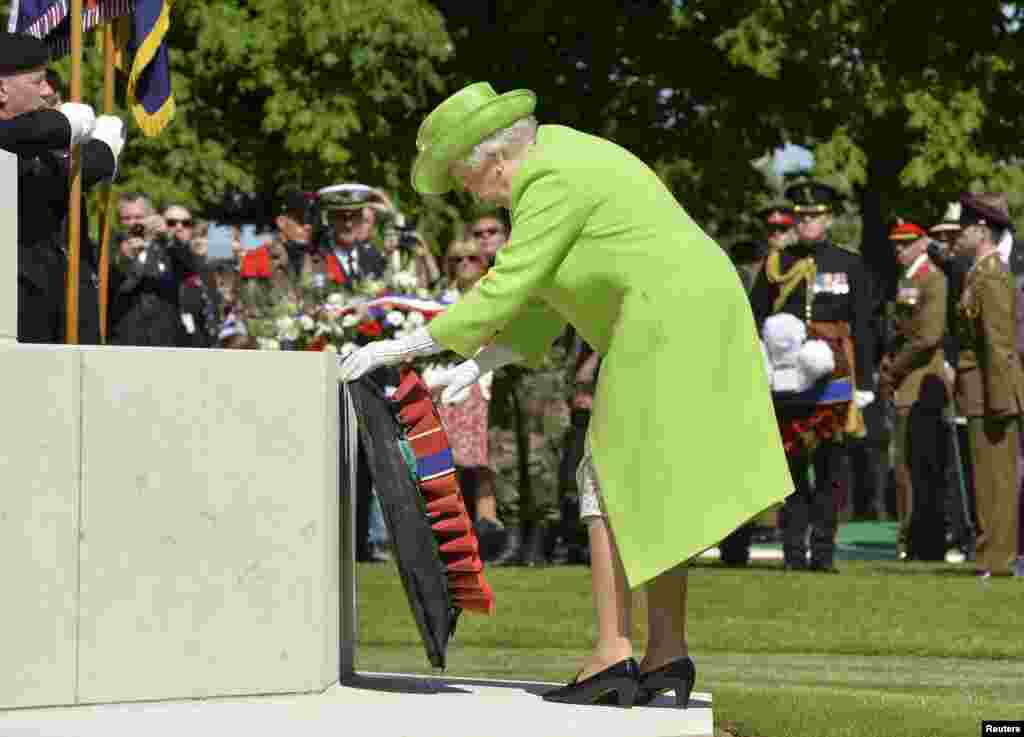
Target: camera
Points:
(405, 228)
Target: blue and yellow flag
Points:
(149, 77)
(140, 30)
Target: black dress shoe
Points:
(620, 680)
(678, 676)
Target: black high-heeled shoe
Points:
(678, 676)
(614, 685)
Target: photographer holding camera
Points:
(146, 284)
(405, 250)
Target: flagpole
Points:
(107, 195)
(75, 204)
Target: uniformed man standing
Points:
(912, 378)
(40, 138)
(990, 380)
(827, 287)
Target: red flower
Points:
(370, 328)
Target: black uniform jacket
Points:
(40, 140)
(842, 294)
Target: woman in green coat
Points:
(683, 442)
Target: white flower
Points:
(349, 321)
(284, 324)
(337, 329)
(336, 300)
(373, 286)
(395, 318)
(347, 349)
(415, 319)
(307, 323)
(322, 328)
(330, 348)
(405, 281)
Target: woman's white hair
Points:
(508, 140)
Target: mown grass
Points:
(880, 649)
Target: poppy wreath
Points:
(429, 453)
(803, 435)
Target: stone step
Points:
(378, 704)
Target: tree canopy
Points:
(902, 105)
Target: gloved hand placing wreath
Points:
(794, 364)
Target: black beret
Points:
(20, 52)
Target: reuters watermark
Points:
(1000, 727)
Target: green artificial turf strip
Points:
(880, 649)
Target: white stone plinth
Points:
(39, 473)
(171, 524)
(8, 247)
(382, 705)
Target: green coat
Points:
(683, 432)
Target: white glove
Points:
(81, 118)
(460, 380)
(110, 130)
(387, 353)
(862, 399)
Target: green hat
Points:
(457, 125)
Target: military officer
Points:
(828, 288)
(912, 378)
(990, 380)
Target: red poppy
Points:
(370, 328)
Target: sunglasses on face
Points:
(485, 232)
(174, 223)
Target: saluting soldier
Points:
(828, 288)
(990, 381)
(912, 377)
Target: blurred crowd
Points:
(899, 395)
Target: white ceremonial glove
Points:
(110, 130)
(459, 380)
(82, 120)
(862, 399)
(387, 353)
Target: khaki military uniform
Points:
(914, 373)
(990, 393)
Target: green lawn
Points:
(881, 649)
